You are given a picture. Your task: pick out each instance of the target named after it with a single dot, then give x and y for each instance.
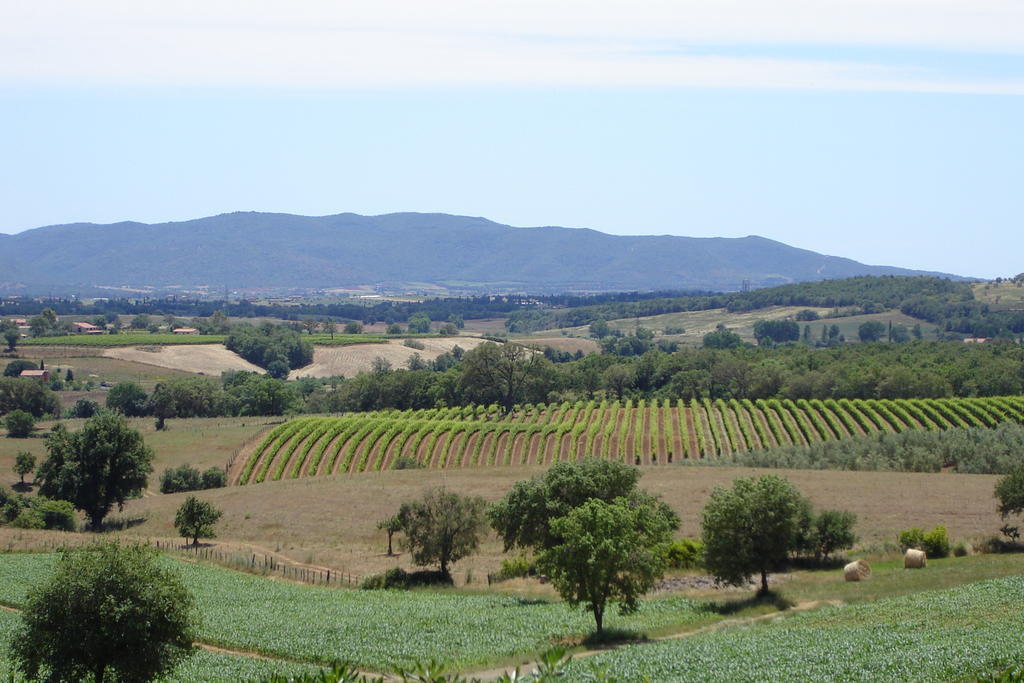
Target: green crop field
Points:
(378, 630)
(644, 432)
(125, 339)
(952, 634)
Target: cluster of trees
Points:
(275, 348)
(188, 478)
(600, 539)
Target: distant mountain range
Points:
(413, 250)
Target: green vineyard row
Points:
(644, 432)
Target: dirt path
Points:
(494, 674)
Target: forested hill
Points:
(249, 250)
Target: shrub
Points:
(684, 554)
(83, 408)
(214, 478)
(19, 424)
(514, 568)
(413, 344)
(184, 478)
(397, 578)
(15, 367)
(911, 538)
(406, 462)
(29, 519)
(832, 530)
(960, 549)
(56, 514)
(936, 542)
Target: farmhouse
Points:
(41, 375)
(185, 330)
(85, 328)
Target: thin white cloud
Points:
(402, 43)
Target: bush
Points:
(214, 478)
(684, 554)
(56, 514)
(15, 367)
(29, 519)
(911, 538)
(936, 542)
(960, 549)
(184, 478)
(831, 530)
(19, 424)
(399, 579)
(413, 344)
(84, 408)
(406, 462)
(514, 568)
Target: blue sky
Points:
(889, 132)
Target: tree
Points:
(618, 379)
(195, 519)
(11, 334)
(330, 327)
(722, 338)
(500, 372)
(310, 325)
(776, 330)
(106, 609)
(17, 393)
(19, 424)
(608, 552)
(24, 463)
(419, 323)
(354, 327)
(1010, 493)
(523, 517)
(750, 528)
(127, 398)
(102, 465)
(391, 525)
(599, 329)
(14, 368)
(828, 531)
(442, 527)
(871, 331)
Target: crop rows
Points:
(656, 431)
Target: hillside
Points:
(264, 250)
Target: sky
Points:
(889, 131)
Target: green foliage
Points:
(127, 398)
(24, 463)
(268, 343)
(56, 514)
(29, 395)
(442, 527)
(1010, 494)
(130, 339)
(826, 532)
(102, 465)
(84, 408)
(777, 331)
(182, 478)
(523, 517)
(936, 542)
(14, 368)
(214, 478)
(515, 567)
(607, 552)
(871, 331)
(750, 528)
(195, 519)
(397, 578)
(911, 538)
(684, 554)
(19, 424)
(106, 610)
(722, 339)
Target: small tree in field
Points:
(106, 610)
(391, 525)
(19, 424)
(442, 527)
(24, 463)
(608, 552)
(750, 528)
(195, 519)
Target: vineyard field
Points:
(642, 432)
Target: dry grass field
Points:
(332, 521)
(1000, 296)
(206, 359)
(349, 361)
(570, 344)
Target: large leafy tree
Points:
(102, 465)
(442, 527)
(128, 398)
(523, 517)
(751, 528)
(500, 373)
(1010, 493)
(106, 610)
(29, 395)
(607, 552)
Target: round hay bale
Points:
(914, 559)
(857, 571)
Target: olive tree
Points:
(442, 527)
(750, 528)
(106, 609)
(607, 552)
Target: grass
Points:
(115, 370)
(1000, 296)
(934, 635)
